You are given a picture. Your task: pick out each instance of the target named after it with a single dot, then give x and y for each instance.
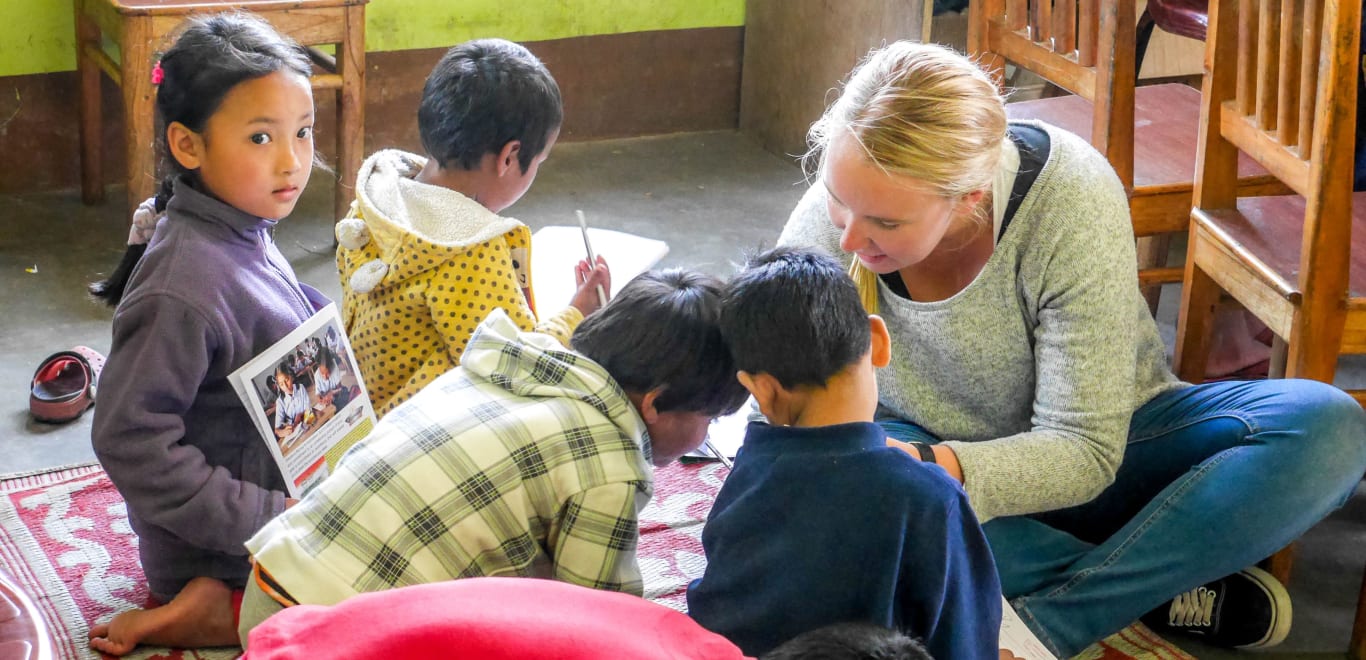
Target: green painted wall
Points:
(36, 36)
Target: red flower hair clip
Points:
(157, 74)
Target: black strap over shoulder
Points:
(1034, 146)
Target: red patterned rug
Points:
(64, 535)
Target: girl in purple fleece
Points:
(207, 293)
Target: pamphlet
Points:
(306, 398)
(555, 250)
(726, 433)
(1017, 640)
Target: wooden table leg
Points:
(351, 110)
(139, 108)
(92, 138)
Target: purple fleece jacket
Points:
(210, 293)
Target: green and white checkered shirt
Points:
(528, 460)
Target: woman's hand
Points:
(590, 278)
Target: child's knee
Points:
(255, 608)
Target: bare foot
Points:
(200, 615)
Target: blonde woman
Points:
(1025, 364)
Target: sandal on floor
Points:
(64, 385)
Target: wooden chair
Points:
(137, 27)
(1147, 133)
(1280, 87)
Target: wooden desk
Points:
(139, 28)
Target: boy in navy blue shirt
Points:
(820, 521)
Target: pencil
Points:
(592, 259)
(720, 456)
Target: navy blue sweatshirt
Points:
(211, 292)
(816, 526)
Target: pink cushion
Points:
(23, 633)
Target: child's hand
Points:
(590, 278)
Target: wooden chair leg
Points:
(1280, 564)
(91, 103)
(1314, 347)
(1152, 253)
(350, 111)
(138, 104)
(1279, 352)
(1195, 325)
(1142, 35)
(1357, 649)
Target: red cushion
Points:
(489, 618)
(1188, 18)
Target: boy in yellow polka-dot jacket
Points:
(424, 255)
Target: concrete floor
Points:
(711, 196)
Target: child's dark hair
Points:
(661, 331)
(482, 95)
(850, 641)
(211, 55)
(794, 314)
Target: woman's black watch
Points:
(926, 453)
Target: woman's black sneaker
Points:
(1249, 609)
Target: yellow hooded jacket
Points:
(421, 266)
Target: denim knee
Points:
(1332, 430)
(1342, 419)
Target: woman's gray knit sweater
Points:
(1031, 372)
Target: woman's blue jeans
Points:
(1215, 478)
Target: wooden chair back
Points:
(1083, 46)
(1281, 88)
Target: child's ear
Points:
(186, 145)
(645, 404)
(508, 157)
(764, 388)
(882, 341)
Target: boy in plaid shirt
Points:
(528, 460)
